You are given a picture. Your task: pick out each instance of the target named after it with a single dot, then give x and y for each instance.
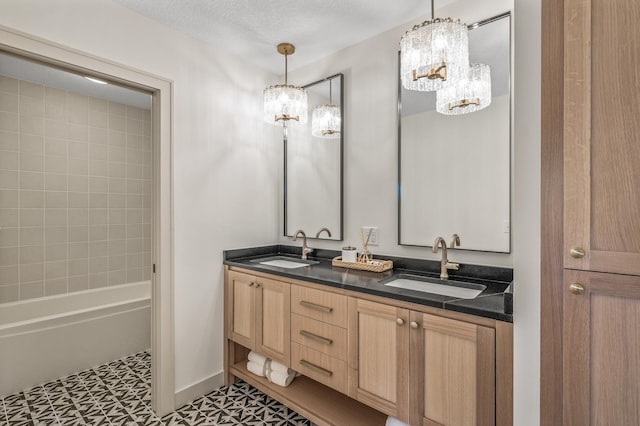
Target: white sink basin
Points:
(287, 264)
(455, 289)
(284, 262)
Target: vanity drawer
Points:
(318, 335)
(322, 368)
(321, 305)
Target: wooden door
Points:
(452, 380)
(601, 334)
(602, 136)
(379, 356)
(241, 289)
(273, 338)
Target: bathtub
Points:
(50, 337)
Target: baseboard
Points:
(196, 390)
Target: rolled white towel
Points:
(392, 421)
(257, 358)
(280, 368)
(255, 368)
(281, 379)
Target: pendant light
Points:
(469, 95)
(284, 103)
(325, 119)
(434, 54)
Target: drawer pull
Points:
(316, 368)
(320, 308)
(315, 337)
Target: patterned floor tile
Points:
(119, 394)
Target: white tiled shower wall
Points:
(75, 192)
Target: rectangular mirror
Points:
(313, 168)
(454, 172)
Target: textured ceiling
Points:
(253, 28)
(22, 69)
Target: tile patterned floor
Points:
(119, 393)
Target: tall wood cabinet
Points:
(592, 292)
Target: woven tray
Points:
(384, 265)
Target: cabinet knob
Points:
(257, 285)
(252, 284)
(576, 252)
(414, 325)
(576, 288)
(400, 321)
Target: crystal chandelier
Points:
(434, 54)
(325, 119)
(469, 95)
(283, 102)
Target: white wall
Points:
(224, 180)
(370, 70)
(526, 221)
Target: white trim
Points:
(162, 321)
(196, 390)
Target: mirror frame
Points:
(508, 15)
(340, 236)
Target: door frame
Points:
(161, 89)
(551, 204)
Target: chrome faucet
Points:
(305, 248)
(323, 230)
(445, 265)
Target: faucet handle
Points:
(452, 265)
(324, 229)
(455, 241)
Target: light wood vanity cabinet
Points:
(259, 315)
(319, 336)
(364, 357)
(452, 376)
(379, 356)
(421, 368)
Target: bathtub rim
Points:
(22, 311)
(68, 317)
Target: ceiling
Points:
(253, 28)
(23, 69)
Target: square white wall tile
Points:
(75, 191)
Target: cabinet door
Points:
(379, 356)
(241, 288)
(452, 374)
(273, 338)
(602, 124)
(601, 337)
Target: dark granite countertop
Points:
(495, 302)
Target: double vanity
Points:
(400, 343)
